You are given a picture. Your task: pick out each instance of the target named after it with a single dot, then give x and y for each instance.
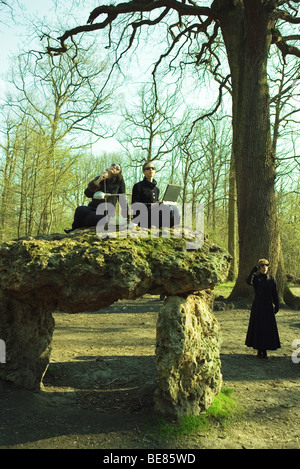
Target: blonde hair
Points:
(263, 261)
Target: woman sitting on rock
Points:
(146, 192)
(109, 182)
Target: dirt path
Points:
(100, 382)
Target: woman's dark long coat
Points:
(262, 331)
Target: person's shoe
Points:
(68, 231)
(259, 354)
(264, 355)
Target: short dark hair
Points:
(146, 164)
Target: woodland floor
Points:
(99, 385)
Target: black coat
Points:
(262, 331)
(145, 192)
(110, 186)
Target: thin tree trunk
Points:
(232, 223)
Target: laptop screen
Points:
(172, 192)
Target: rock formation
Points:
(27, 333)
(188, 355)
(82, 272)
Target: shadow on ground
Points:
(98, 389)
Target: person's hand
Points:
(102, 177)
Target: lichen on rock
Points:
(85, 273)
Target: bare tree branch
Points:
(113, 11)
(283, 15)
(283, 46)
(214, 110)
(150, 5)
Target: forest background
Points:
(66, 118)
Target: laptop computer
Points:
(171, 193)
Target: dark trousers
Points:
(85, 217)
(163, 216)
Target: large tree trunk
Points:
(246, 32)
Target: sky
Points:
(12, 37)
(11, 33)
(12, 40)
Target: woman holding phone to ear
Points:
(262, 331)
(109, 182)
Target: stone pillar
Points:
(27, 333)
(188, 356)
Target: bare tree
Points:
(285, 112)
(150, 125)
(10, 147)
(66, 98)
(248, 29)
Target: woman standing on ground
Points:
(262, 331)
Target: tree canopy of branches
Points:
(193, 30)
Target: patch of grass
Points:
(185, 426)
(223, 410)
